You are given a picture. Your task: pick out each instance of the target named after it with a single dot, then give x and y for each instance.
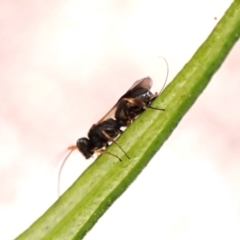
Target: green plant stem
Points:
(107, 178)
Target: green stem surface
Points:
(107, 178)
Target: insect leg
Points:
(105, 152)
(140, 104)
(112, 140)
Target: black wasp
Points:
(130, 105)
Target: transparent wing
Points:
(142, 83)
(109, 114)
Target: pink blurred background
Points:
(64, 64)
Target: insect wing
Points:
(145, 83)
(109, 114)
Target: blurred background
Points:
(63, 64)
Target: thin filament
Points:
(70, 150)
(166, 78)
(112, 140)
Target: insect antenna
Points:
(70, 149)
(166, 78)
(165, 82)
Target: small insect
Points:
(129, 106)
(135, 101)
(98, 137)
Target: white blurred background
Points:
(63, 64)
